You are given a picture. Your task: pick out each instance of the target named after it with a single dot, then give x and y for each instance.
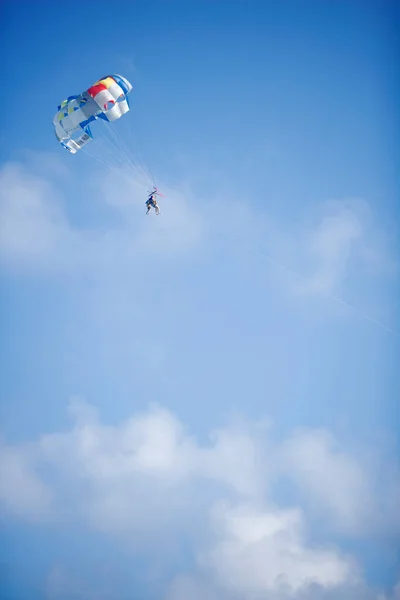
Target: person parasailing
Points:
(151, 201)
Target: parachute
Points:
(107, 99)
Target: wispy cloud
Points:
(37, 232)
(338, 245)
(32, 222)
(343, 241)
(338, 250)
(62, 585)
(334, 481)
(22, 492)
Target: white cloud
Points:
(140, 464)
(265, 550)
(149, 481)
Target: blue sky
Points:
(202, 403)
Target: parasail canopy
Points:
(107, 99)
